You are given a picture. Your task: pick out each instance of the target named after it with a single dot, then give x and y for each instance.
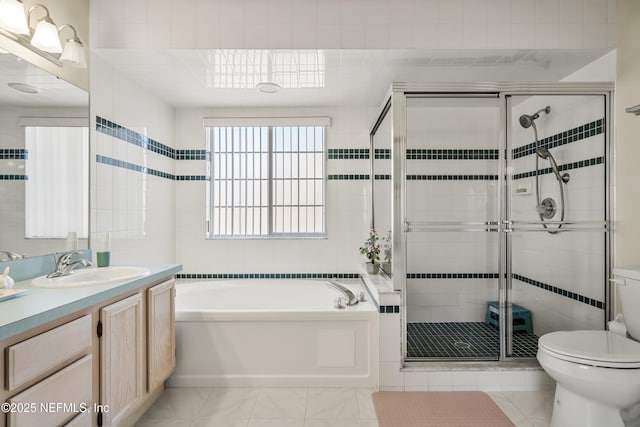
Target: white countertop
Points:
(39, 305)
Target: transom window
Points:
(266, 181)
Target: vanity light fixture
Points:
(73, 53)
(12, 17)
(45, 38)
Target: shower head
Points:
(526, 121)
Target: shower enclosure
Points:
(497, 200)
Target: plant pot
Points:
(372, 268)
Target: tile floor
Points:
(306, 407)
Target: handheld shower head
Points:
(543, 152)
(526, 121)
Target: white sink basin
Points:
(91, 277)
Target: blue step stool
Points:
(521, 317)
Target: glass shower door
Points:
(557, 198)
(452, 222)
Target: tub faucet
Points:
(349, 297)
(65, 266)
(10, 256)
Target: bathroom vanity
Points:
(89, 356)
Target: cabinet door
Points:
(161, 348)
(121, 358)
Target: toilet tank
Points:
(628, 288)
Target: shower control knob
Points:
(362, 297)
(341, 303)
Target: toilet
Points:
(597, 373)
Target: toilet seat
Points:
(596, 348)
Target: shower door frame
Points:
(395, 103)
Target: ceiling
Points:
(228, 77)
(52, 91)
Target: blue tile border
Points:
(562, 138)
(568, 166)
(347, 153)
(347, 177)
(14, 154)
(382, 153)
(10, 177)
(115, 130)
(452, 154)
(133, 167)
(267, 276)
(382, 177)
(452, 177)
(559, 291)
(452, 275)
(192, 155)
(192, 178)
(389, 309)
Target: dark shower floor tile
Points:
(463, 339)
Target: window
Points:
(57, 190)
(266, 181)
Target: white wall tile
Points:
(596, 12)
(183, 11)
(280, 37)
(425, 11)
(499, 11)
(232, 35)
(402, 36)
(377, 36)
(426, 36)
(547, 11)
(390, 375)
(450, 11)
(450, 35)
(475, 35)
(476, 11)
(330, 37)
(499, 36)
(157, 36)
(330, 13)
(522, 35)
(353, 37)
(183, 35)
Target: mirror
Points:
(381, 140)
(44, 161)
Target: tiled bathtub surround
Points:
(347, 201)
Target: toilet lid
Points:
(598, 348)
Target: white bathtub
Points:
(273, 332)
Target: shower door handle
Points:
(507, 226)
(619, 282)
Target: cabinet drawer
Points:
(70, 387)
(47, 352)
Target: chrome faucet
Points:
(65, 266)
(11, 256)
(348, 298)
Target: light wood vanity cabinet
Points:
(122, 358)
(116, 354)
(123, 346)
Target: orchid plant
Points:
(371, 247)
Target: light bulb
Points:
(12, 17)
(46, 37)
